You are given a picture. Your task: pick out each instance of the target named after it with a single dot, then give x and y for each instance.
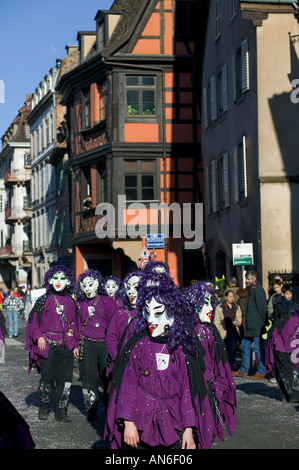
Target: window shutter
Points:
(226, 180)
(224, 93)
(236, 175)
(245, 65)
(209, 186)
(205, 108)
(245, 166)
(213, 98)
(234, 77)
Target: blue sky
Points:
(33, 34)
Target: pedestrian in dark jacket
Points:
(254, 320)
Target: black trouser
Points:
(287, 376)
(57, 367)
(93, 362)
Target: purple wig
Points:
(117, 281)
(122, 288)
(58, 269)
(151, 266)
(164, 290)
(195, 296)
(81, 297)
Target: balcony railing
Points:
(14, 176)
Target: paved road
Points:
(263, 421)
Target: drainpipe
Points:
(159, 69)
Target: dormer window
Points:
(100, 36)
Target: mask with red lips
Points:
(90, 286)
(131, 289)
(59, 281)
(205, 314)
(157, 319)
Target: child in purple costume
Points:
(282, 354)
(52, 330)
(95, 313)
(218, 376)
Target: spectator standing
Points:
(228, 319)
(277, 287)
(254, 320)
(233, 286)
(12, 305)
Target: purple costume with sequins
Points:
(281, 355)
(218, 376)
(94, 317)
(54, 320)
(155, 393)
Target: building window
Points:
(213, 188)
(186, 19)
(217, 18)
(215, 97)
(101, 36)
(47, 132)
(241, 176)
(240, 65)
(218, 184)
(1, 203)
(86, 109)
(139, 180)
(102, 99)
(141, 95)
(223, 181)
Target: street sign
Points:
(155, 240)
(143, 262)
(144, 253)
(242, 254)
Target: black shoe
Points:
(63, 417)
(43, 413)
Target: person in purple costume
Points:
(2, 334)
(95, 313)
(52, 329)
(281, 356)
(157, 375)
(111, 287)
(218, 376)
(121, 327)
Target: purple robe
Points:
(283, 341)
(154, 394)
(116, 328)
(93, 325)
(53, 326)
(220, 382)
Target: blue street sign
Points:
(155, 240)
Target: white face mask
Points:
(59, 281)
(111, 288)
(205, 314)
(131, 289)
(156, 316)
(90, 286)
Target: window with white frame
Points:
(217, 18)
(241, 171)
(240, 66)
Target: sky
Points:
(33, 34)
